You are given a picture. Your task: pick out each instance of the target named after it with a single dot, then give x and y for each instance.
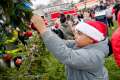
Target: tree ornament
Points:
(3, 64)
(18, 61)
(7, 57)
(12, 65)
(27, 5)
(28, 34)
(22, 38)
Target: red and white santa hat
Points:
(94, 29)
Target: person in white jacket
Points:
(84, 56)
(109, 16)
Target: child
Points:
(84, 57)
(109, 16)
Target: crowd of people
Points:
(104, 13)
(81, 42)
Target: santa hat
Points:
(94, 29)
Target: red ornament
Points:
(7, 57)
(28, 34)
(18, 61)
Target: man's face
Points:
(82, 40)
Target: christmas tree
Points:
(14, 18)
(22, 57)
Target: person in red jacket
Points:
(116, 8)
(116, 42)
(116, 46)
